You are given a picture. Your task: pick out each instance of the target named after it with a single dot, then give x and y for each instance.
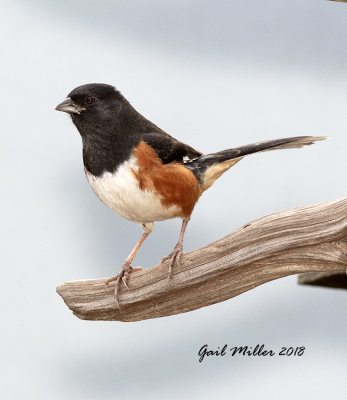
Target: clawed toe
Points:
(174, 257)
(123, 276)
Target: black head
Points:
(109, 126)
(93, 107)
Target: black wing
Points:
(169, 149)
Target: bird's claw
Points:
(174, 257)
(123, 276)
(125, 279)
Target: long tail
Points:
(209, 167)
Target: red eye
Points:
(90, 100)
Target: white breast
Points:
(120, 192)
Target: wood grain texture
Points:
(307, 239)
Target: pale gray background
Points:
(212, 73)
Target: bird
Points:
(141, 172)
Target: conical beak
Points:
(68, 106)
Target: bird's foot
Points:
(173, 257)
(123, 276)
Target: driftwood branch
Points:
(308, 239)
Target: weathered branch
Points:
(308, 239)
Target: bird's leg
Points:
(178, 249)
(124, 273)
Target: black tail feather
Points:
(200, 165)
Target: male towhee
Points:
(141, 172)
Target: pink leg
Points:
(124, 273)
(178, 250)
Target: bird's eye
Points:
(90, 100)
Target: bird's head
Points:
(93, 106)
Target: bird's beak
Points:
(69, 106)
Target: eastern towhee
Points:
(141, 172)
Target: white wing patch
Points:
(187, 160)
